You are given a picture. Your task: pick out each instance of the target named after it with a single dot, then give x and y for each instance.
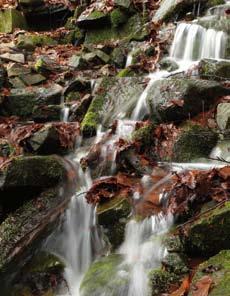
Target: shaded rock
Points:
(118, 56)
(26, 177)
(11, 19)
(21, 102)
(6, 149)
(13, 57)
(178, 99)
(110, 94)
(95, 18)
(113, 216)
(47, 113)
(175, 263)
(223, 116)
(209, 233)
(30, 3)
(17, 70)
(122, 3)
(214, 70)
(103, 278)
(118, 17)
(194, 143)
(3, 77)
(32, 79)
(30, 41)
(46, 141)
(217, 268)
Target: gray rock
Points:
(17, 69)
(223, 116)
(122, 3)
(11, 19)
(13, 57)
(214, 70)
(168, 64)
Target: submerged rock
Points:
(214, 70)
(178, 99)
(218, 269)
(194, 143)
(113, 216)
(209, 234)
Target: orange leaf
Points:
(183, 288)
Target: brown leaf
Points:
(203, 286)
(183, 288)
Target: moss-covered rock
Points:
(218, 268)
(11, 19)
(214, 70)
(178, 99)
(127, 72)
(113, 216)
(95, 18)
(176, 263)
(144, 135)
(30, 41)
(118, 17)
(118, 56)
(47, 113)
(216, 23)
(6, 149)
(168, 64)
(210, 232)
(103, 278)
(194, 143)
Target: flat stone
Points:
(32, 79)
(14, 57)
(16, 70)
(223, 116)
(122, 3)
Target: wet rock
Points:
(21, 102)
(217, 268)
(11, 19)
(113, 216)
(26, 177)
(103, 278)
(216, 23)
(79, 109)
(168, 65)
(194, 143)
(118, 57)
(118, 17)
(32, 79)
(214, 70)
(178, 99)
(209, 233)
(176, 263)
(3, 75)
(223, 116)
(13, 57)
(111, 93)
(47, 113)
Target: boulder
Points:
(209, 233)
(122, 3)
(30, 41)
(11, 19)
(216, 23)
(102, 278)
(110, 94)
(217, 269)
(47, 113)
(168, 65)
(13, 57)
(178, 99)
(214, 70)
(194, 143)
(21, 102)
(26, 177)
(92, 19)
(113, 216)
(223, 116)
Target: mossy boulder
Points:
(176, 263)
(214, 70)
(194, 143)
(110, 95)
(118, 56)
(209, 234)
(178, 99)
(216, 23)
(11, 19)
(168, 65)
(113, 216)
(160, 281)
(21, 102)
(103, 278)
(30, 41)
(47, 113)
(134, 29)
(144, 135)
(218, 268)
(118, 17)
(95, 18)
(27, 176)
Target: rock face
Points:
(113, 216)
(179, 99)
(194, 143)
(28, 176)
(11, 19)
(110, 95)
(214, 70)
(218, 269)
(223, 116)
(210, 233)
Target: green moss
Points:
(127, 72)
(214, 70)
(11, 19)
(210, 233)
(32, 41)
(176, 263)
(160, 281)
(96, 14)
(144, 135)
(197, 142)
(118, 17)
(220, 273)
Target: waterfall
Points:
(192, 42)
(143, 250)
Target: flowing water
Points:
(78, 240)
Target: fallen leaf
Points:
(203, 286)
